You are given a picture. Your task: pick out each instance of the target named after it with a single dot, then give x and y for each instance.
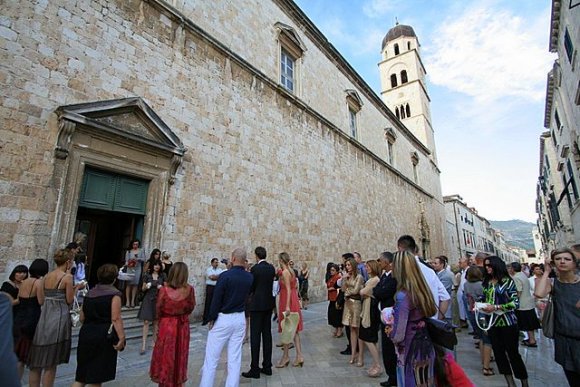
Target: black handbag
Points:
(441, 332)
(112, 336)
(339, 300)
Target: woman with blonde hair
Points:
(175, 302)
(413, 303)
(352, 283)
(289, 303)
(370, 319)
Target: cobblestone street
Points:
(324, 365)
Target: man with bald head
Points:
(227, 323)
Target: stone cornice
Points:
(555, 25)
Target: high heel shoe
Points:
(283, 364)
(360, 364)
(298, 363)
(375, 372)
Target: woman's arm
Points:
(39, 286)
(401, 317)
(512, 294)
(544, 285)
(118, 322)
(287, 278)
(69, 288)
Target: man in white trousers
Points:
(226, 321)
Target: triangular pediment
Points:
(129, 118)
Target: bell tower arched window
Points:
(403, 112)
(397, 113)
(396, 48)
(404, 78)
(408, 45)
(408, 110)
(393, 80)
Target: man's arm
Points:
(217, 300)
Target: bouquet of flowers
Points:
(132, 263)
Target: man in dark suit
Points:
(260, 307)
(384, 292)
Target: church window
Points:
(403, 112)
(408, 110)
(397, 113)
(396, 48)
(287, 70)
(354, 103)
(393, 80)
(404, 77)
(415, 162)
(291, 53)
(408, 45)
(568, 46)
(390, 137)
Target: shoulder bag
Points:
(441, 333)
(75, 313)
(548, 318)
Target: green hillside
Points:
(516, 232)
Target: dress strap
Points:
(59, 281)
(32, 287)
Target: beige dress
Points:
(352, 300)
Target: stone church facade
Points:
(199, 127)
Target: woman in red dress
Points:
(289, 303)
(175, 302)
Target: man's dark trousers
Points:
(260, 307)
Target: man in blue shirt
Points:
(226, 320)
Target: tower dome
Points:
(398, 31)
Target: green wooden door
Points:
(112, 192)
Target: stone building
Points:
(198, 127)
(558, 193)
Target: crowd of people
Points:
(395, 297)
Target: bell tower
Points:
(404, 90)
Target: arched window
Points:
(403, 112)
(408, 110)
(397, 113)
(404, 77)
(408, 45)
(393, 80)
(396, 48)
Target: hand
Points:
(548, 265)
(148, 285)
(159, 286)
(489, 309)
(388, 329)
(120, 345)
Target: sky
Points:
(487, 63)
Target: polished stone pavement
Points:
(323, 366)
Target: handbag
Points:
(339, 304)
(141, 296)
(289, 325)
(112, 336)
(75, 313)
(441, 332)
(548, 319)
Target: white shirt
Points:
(212, 271)
(437, 289)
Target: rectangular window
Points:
(352, 121)
(287, 70)
(390, 156)
(571, 180)
(415, 174)
(557, 119)
(568, 46)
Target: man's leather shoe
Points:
(251, 374)
(266, 371)
(346, 352)
(389, 383)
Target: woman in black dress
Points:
(152, 282)
(19, 274)
(96, 357)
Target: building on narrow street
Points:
(200, 126)
(558, 192)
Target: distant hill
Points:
(517, 233)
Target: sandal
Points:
(488, 371)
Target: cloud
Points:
(490, 53)
(379, 8)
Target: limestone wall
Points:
(261, 168)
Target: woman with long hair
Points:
(52, 340)
(26, 319)
(413, 303)
(96, 357)
(565, 293)
(334, 314)
(289, 303)
(152, 282)
(370, 320)
(352, 283)
(501, 295)
(134, 259)
(175, 302)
